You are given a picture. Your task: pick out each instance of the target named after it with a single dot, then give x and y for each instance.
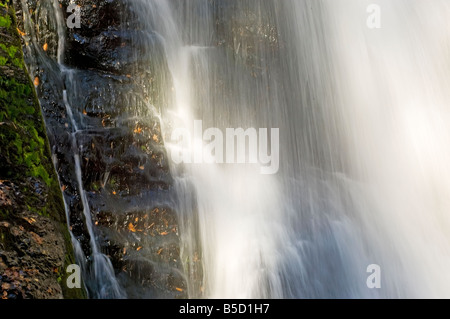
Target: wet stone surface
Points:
(115, 73)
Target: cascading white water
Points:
(394, 87)
(364, 121)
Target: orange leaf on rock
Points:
(36, 81)
(20, 32)
(178, 289)
(45, 47)
(30, 220)
(131, 228)
(37, 238)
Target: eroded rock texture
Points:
(35, 246)
(113, 73)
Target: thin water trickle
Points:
(97, 268)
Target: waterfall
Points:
(359, 117)
(363, 144)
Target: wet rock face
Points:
(101, 42)
(248, 29)
(115, 78)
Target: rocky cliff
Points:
(35, 246)
(99, 84)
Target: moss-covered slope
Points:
(35, 246)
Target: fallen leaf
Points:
(141, 167)
(4, 224)
(160, 251)
(30, 220)
(164, 233)
(36, 81)
(139, 248)
(178, 289)
(63, 188)
(84, 112)
(20, 32)
(45, 47)
(37, 238)
(114, 193)
(131, 228)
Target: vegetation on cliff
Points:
(35, 246)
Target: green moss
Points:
(12, 55)
(5, 22)
(25, 151)
(11, 50)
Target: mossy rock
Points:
(25, 160)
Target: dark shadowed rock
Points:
(116, 78)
